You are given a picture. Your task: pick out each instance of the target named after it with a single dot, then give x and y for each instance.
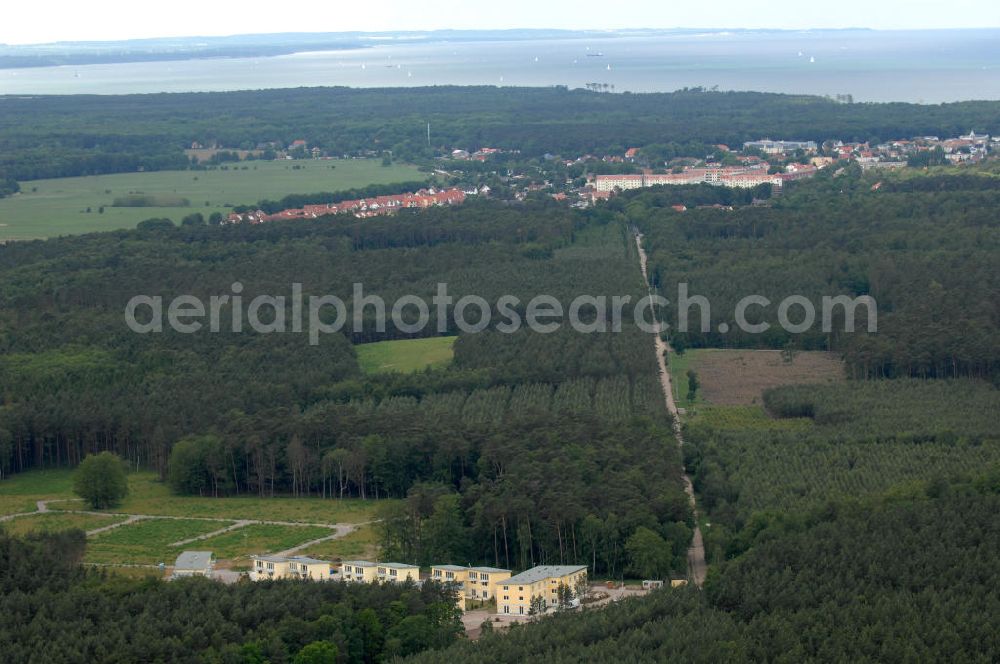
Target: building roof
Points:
(272, 559)
(398, 566)
(461, 568)
(308, 561)
(194, 560)
(543, 572)
(360, 563)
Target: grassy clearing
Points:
(149, 496)
(147, 542)
(53, 521)
(20, 493)
(743, 418)
(362, 544)
(406, 355)
(47, 208)
(16, 504)
(740, 377)
(260, 539)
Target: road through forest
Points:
(696, 553)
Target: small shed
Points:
(193, 563)
(651, 584)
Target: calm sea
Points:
(915, 66)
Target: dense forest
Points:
(834, 441)
(54, 610)
(924, 247)
(514, 450)
(908, 576)
(59, 136)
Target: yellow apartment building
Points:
(398, 572)
(295, 567)
(514, 595)
(483, 582)
(359, 571)
(475, 583)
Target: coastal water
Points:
(914, 66)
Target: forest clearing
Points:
(153, 526)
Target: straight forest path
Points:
(696, 552)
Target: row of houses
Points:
(533, 591)
(361, 208)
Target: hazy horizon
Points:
(114, 20)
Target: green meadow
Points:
(148, 541)
(405, 355)
(47, 208)
(53, 521)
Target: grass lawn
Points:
(50, 522)
(16, 504)
(47, 208)
(405, 355)
(362, 544)
(147, 495)
(20, 493)
(259, 539)
(147, 542)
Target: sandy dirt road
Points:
(696, 553)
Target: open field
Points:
(147, 495)
(740, 377)
(258, 539)
(52, 521)
(406, 355)
(362, 544)
(147, 542)
(47, 208)
(16, 504)
(21, 493)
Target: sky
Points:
(41, 21)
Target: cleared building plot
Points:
(740, 377)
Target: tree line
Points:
(60, 136)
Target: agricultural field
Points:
(53, 521)
(66, 206)
(406, 355)
(740, 377)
